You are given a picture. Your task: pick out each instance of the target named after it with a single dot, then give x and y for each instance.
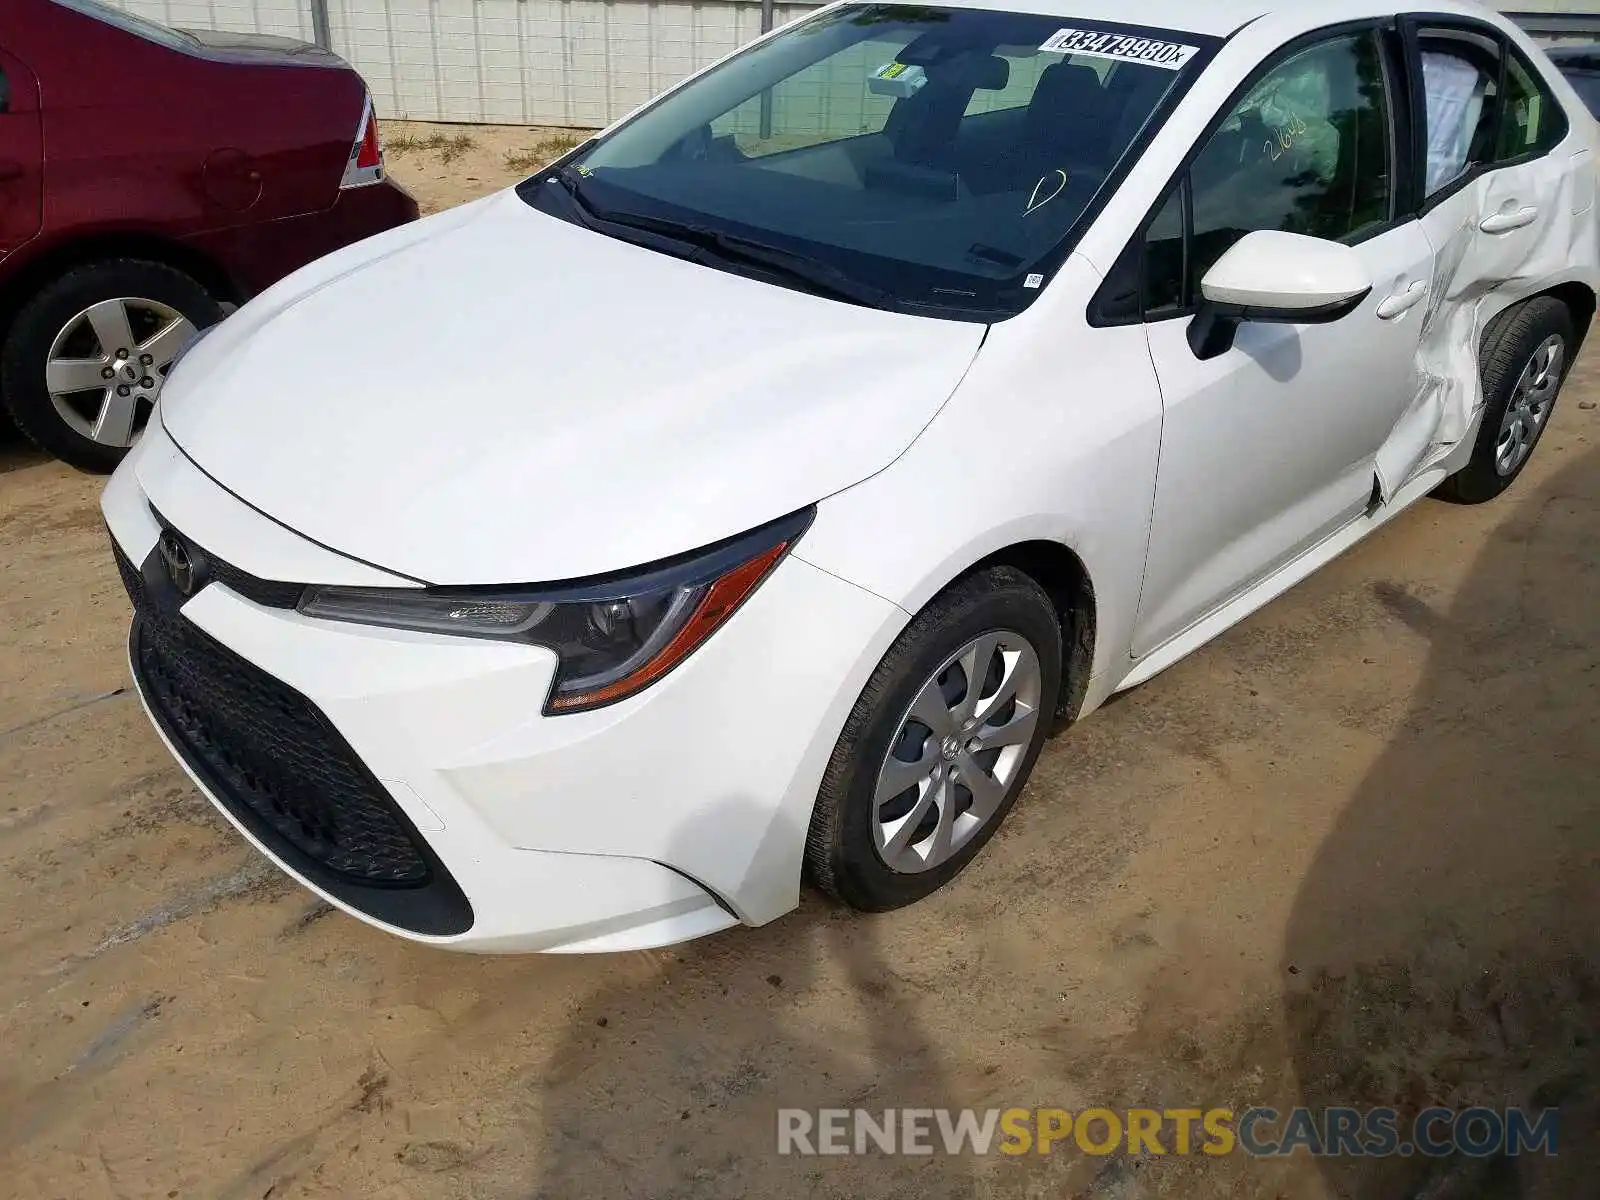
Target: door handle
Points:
(9, 169)
(1509, 219)
(1403, 302)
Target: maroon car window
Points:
(151, 31)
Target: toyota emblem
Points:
(180, 567)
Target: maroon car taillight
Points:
(366, 154)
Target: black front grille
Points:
(280, 767)
(275, 754)
(271, 593)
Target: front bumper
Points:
(678, 812)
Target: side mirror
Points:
(1286, 278)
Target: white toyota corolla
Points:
(750, 493)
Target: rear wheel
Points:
(1524, 361)
(86, 357)
(940, 743)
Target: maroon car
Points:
(148, 178)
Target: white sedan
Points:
(749, 494)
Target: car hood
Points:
(494, 395)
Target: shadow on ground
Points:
(16, 451)
(672, 1089)
(1441, 949)
(1444, 947)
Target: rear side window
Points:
(1531, 118)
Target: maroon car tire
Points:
(53, 339)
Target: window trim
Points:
(1185, 191)
(1414, 27)
(1400, 120)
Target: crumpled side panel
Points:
(1476, 276)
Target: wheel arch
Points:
(1064, 577)
(1580, 301)
(26, 280)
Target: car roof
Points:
(1215, 18)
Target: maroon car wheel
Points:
(86, 358)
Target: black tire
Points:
(42, 319)
(1508, 348)
(842, 857)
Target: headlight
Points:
(615, 635)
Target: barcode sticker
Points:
(1091, 43)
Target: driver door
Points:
(1270, 447)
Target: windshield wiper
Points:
(570, 184)
(816, 277)
(813, 275)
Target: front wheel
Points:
(86, 357)
(940, 743)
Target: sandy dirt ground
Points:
(1346, 854)
(444, 165)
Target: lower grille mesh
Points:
(282, 769)
(276, 755)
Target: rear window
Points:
(143, 27)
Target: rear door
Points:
(1499, 207)
(21, 154)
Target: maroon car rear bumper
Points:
(257, 256)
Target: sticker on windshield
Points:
(897, 79)
(1091, 43)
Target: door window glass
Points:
(1531, 121)
(1308, 150)
(1458, 91)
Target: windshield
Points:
(934, 159)
(131, 23)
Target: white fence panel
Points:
(579, 63)
(287, 18)
(576, 63)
